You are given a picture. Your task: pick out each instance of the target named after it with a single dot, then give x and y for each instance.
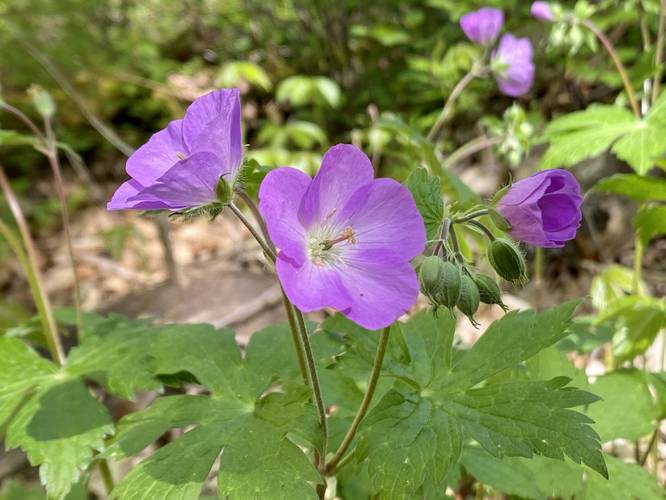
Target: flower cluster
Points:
(511, 62)
(344, 239)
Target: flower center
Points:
(324, 250)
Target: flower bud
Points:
(469, 299)
(489, 291)
(440, 281)
(507, 260)
(42, 101)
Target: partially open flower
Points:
(345, 240)
(180, 166)
(544, 210)
(513, 66)
(483, 25)
(542, 11)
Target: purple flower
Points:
(180, 166)
(543, 209)
(542, 11)
(483, 25)
(345, 240)
(513, 66)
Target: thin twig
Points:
(468, 149)
(448, 106)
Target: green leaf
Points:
(615, 282)
(58, 428)
(244, 417)
(588, 133)
(634, 186)
(626, 481)
(622, 390)
(650, 222)
(233, 73)
(426, 190)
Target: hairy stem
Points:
(365, 403)
(470, 216)
(659, 55)
(608, 45)
(43, 304)
(270, 253)
(448, 106)
(468, 149)
(482, 228)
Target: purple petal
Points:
(280, 196)
(311, 287)
(123, 193)
(381, 288)
(388, 219)
(542, 11)
(483, 25)
(212, 124)
(514, 58)
(559, 211)
(158, 155)
(343, 171)
(532, 187)
(189, 183)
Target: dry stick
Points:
(659, 55)
(365, 403)
(43, 304)
(618, 64)
(468, 149)
(52, 155)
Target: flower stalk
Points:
(337, 458)
(450, 101)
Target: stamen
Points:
(331, 213)
(347, 235)
(180, 155)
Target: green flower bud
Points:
(440, 281)
(42, 101)
(507, 260)
(469, 299)
(489, 291)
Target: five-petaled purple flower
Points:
(543, 209)
(345, 240)
(180, 166)
(513, 66)
(482, 26)
(542, 11)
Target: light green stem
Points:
(538, 267)
(365, 403)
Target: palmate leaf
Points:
(427, 193)
(251, 428)
(49, 415)
(442, 398)
(585, 134)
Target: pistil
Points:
(347, 235)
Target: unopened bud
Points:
(440, 281)
(42, 101)
(469, 299)
(489, 291)
(507, 260)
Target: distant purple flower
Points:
(483, 25)
(542, 11)
(180, 166)
(513, 66)
(543, 209)
(345, 240)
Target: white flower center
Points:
(325, 248)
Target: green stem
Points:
(470, 216)
(43, 304)
(468, 149)
(365, 403)
(659, 54)
(608, 45)
(448, 106)
(107, 477)
(314, 382)
(298, 346)
(638, 265)
(538, 267)
(255, 234)
(482, 228)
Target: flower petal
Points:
(344, 169)
(128, 190)
(189, 183)
(212, 124)
(382, 288)
(311, 287)
(280, 196)
(528, 189)
(158, 155)
(388, 219)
